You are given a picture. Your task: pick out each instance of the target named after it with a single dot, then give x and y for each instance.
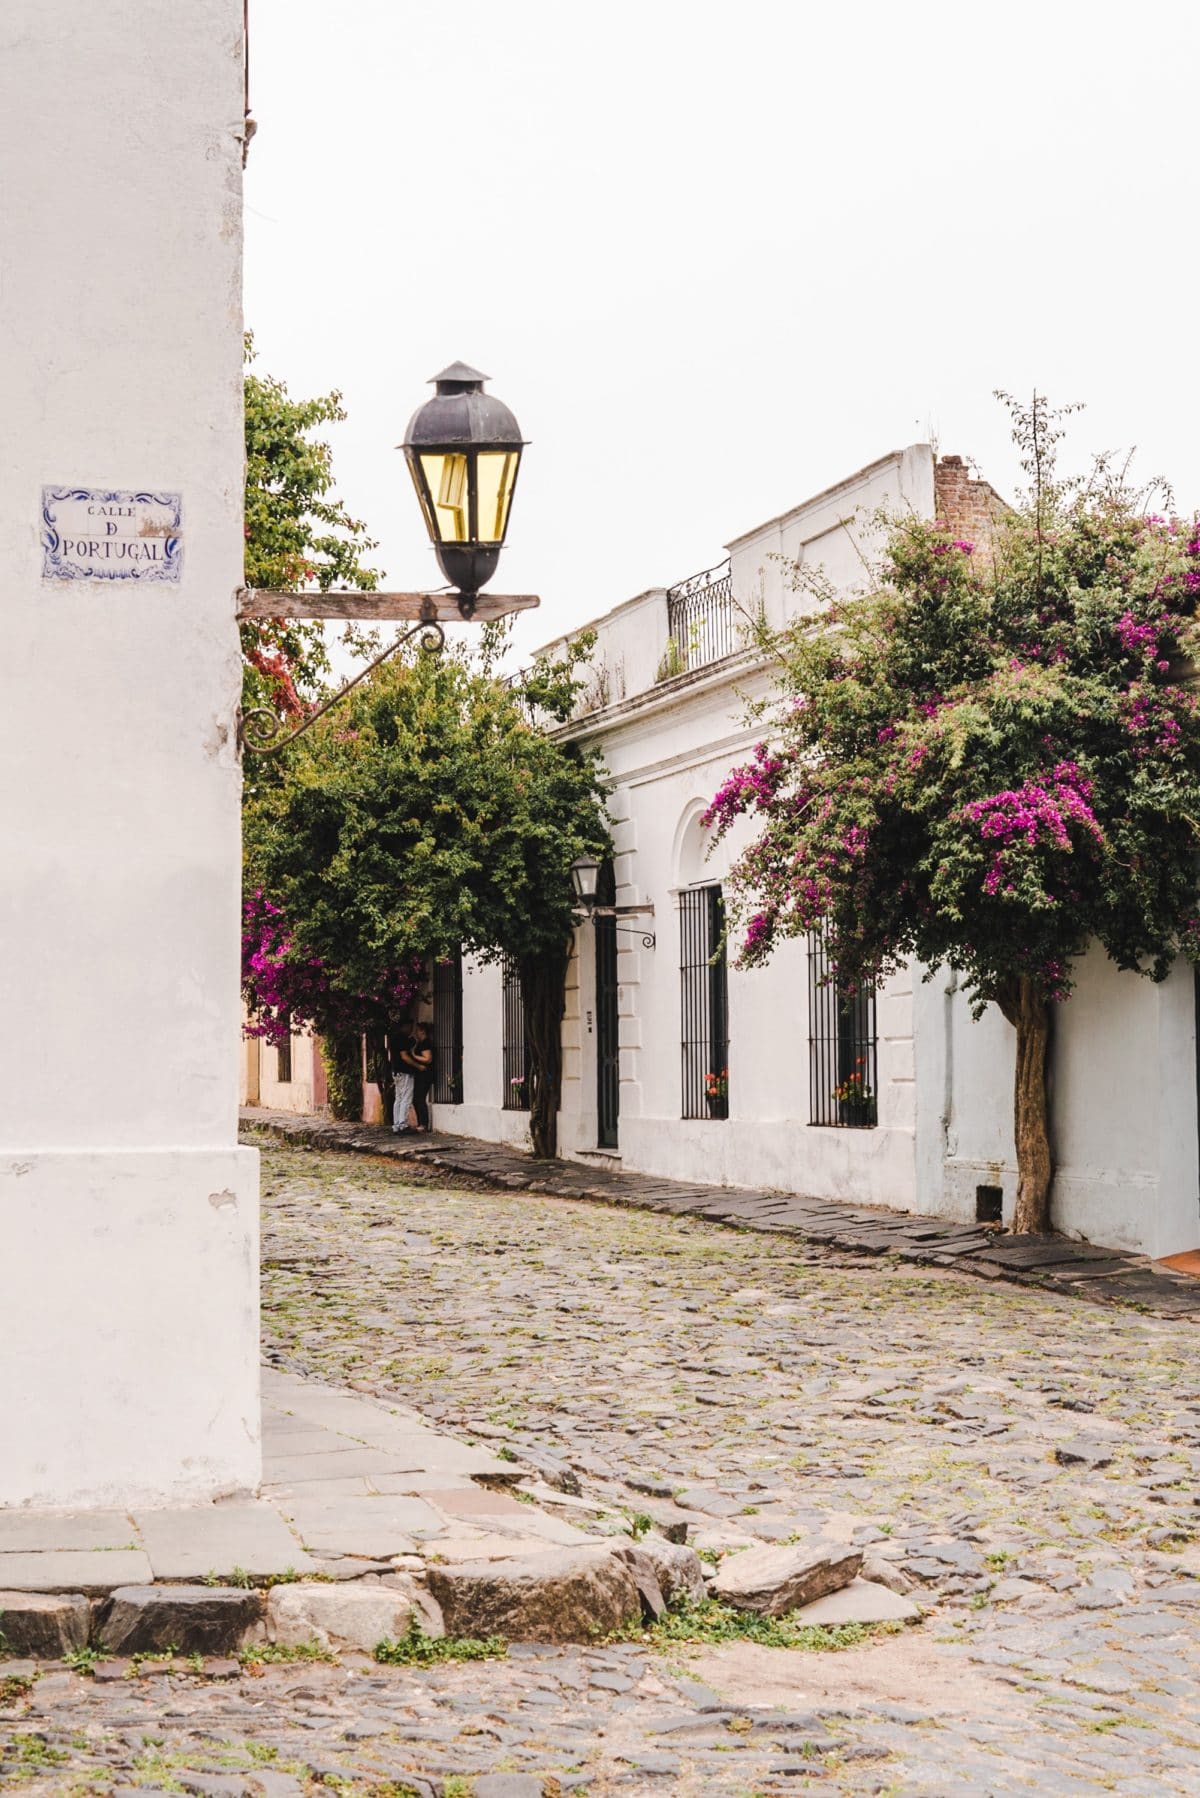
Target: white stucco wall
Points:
(1123, 1107)
(665, 770)
(481, 1113)
(837, 530)
(128, 1217)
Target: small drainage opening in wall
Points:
(989, 1204)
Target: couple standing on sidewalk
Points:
(412, 1070)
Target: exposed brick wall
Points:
(968, 508)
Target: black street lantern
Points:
(585, 883)
(463, 449)
(585, 875)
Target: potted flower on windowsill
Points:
(716, 1093)
(518, 1097)
(855, 1100)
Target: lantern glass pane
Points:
(422, 501)
(497, 472)
(448, 486)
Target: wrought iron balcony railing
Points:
(702, 621)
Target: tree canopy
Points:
(298, 534)
(429, 813)
(990, 759)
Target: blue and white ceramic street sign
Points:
(94, 534)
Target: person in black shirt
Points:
(416, 1058)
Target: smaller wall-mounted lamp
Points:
(585, 878)
(585, 873)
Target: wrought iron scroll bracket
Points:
(260, 730)
(649, 939)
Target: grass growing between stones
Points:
(84, 1660)
(168, 1769)
(709, 1621)
(31, 1756)
(416, 1649)
(259, 1654)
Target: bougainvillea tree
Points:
(990, 760)
(286, 987)
(426, 814)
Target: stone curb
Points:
(553, 1595)
(1054, 1264)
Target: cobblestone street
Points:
(1023, 1463)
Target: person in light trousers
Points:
(413, 1074)
(403, 1078)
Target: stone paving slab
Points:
(374, 1527)
(278, 1443)
(280, 1470)
(75, 1570)
(39, 1532)
(219, 1540)
(1081, 1269)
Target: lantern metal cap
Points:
(462, 414)
(457, 376)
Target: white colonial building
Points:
(648, 1020)
(128, 1214)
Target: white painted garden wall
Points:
(1123, 1101)
(128, 1217)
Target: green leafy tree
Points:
(298, 534)
(430, 812)
(991, 760)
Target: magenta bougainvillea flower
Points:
(286, 987)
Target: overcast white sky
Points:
(718, 253)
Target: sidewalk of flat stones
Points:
(371, 1525)
(1050, 1263)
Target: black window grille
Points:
(515, 1096)
(704, 997)
(608, 1023)
(283, 1055)
(702, 620)
(842, 1054)
(448, 1031)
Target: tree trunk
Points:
(543, 990)
(1029, 1012)
(343, 1076)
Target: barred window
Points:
(448, 1030)
(515, 1096)
(842, 1059)
(283, 1056)
(704, 997)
